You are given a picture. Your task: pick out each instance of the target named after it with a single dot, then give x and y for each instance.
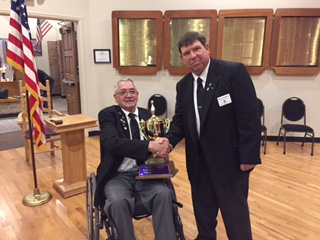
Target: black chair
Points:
(294, 110)
(263, 127)
(160, 104)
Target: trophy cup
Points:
(155, 167)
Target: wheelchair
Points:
(97, 218)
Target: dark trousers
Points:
(120, 205)
(209, 197)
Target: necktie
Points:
(135, 132)
(200, 95)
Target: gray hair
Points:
(189, 38)
(116, 86)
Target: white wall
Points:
(97, 80)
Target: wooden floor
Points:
(284, 197)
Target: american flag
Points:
(43, 27)
(21, 56)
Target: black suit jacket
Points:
(43, 77)
(230, 134)
(115, 145)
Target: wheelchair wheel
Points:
(178, 223)
(111, 229)
(175, 211)
(92, 211)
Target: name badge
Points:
(224, 100)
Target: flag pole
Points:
(38, 197)
(20, 55)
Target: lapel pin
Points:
(209, 87)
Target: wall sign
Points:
(102, 55)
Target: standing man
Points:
(218, 117)
(122, 150)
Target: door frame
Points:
(80, 49)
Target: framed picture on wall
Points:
(101, 55)
(37, 48)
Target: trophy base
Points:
(157, 170)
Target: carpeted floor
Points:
(11, 140)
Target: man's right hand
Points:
(161, 147)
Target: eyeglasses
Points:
(125, 92)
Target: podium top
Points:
(70, 123)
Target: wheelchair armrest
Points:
(180, 205)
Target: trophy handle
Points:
(142, 126)
(167, 124)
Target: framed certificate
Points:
(101, 55)
(37, 48)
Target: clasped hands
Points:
(161, 147)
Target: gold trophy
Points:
(155, 167)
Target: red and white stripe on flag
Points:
(21, 56)
(43, 27)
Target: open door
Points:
(70, 62)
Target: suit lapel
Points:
(142, 115)
(211, 85)
(123, 121)
(188, 101)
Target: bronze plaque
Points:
(243, 39)
(298, 41)
(137, 42)
(178, 27)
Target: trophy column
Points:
(154, 167)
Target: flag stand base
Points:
(37, 198)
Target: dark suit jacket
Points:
(230, 134)
(43, 77)
(115, 145)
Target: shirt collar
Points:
(203, 75)
(127, 113)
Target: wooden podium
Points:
(73, 152)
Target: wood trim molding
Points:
(187, 14)
(283, 44)
(157, 15)
(264, 45)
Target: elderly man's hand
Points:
(161, 147)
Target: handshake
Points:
(158, 165)
(160, 147)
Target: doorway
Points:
(60, 94)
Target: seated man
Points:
(121, 153)
(42, 78)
